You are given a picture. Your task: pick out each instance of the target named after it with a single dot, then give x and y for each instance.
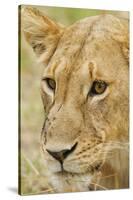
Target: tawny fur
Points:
(94, 48)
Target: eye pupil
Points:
(98, 87)
(51, 83)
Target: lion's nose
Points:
(61, 155)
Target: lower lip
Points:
(63, 172)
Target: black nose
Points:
(61, 155)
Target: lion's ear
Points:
(41, 32)
(125, 41)
(125, 49)
(122, 36)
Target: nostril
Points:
(67, 152)
(61, 155)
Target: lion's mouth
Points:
(91, 170)
(61, 163)
(75, 166)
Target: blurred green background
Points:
(32, 170)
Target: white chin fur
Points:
(70, 182)
(67, 182)
(53, 166)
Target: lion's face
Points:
(84, 88)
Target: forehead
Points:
(81, 45)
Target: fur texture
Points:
(94, 48)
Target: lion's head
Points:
(84, 88)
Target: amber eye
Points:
(50, 83)
(98, 87)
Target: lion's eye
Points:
(50, 83)
(98, 87)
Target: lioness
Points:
(84, 89)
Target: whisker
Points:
(95, 184)
(102, 177)
(101, 159)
